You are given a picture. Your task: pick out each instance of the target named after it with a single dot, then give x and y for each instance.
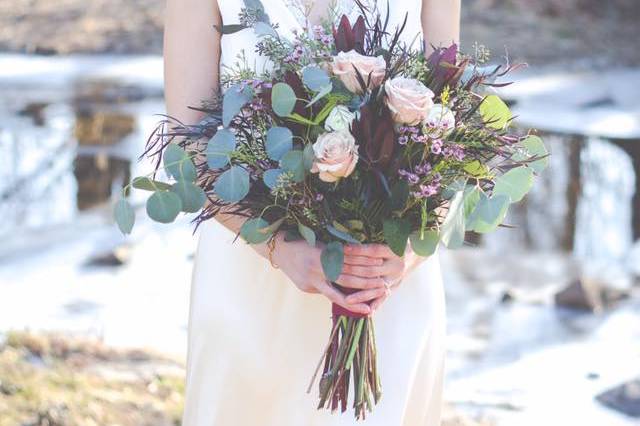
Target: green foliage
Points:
(234, 99)
(332, 259)
(279, 142)
(514, 184)
(255, 231)
(233, 185)
(535, 147)
(219, 148)
(315, 78)
(293, 162)
(283, 99)
(270, 177)
(495, 112)
(164, 206)
(191, 195)
(489, 213)
(308, 234)
(426, 244)
(146, 184)
(396, 234)
(453, 227)
(125, 216)
(178, 163)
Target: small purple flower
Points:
(319, 197)
(423, 169)
(436, 146)
(403, 140)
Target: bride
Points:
(260, 316)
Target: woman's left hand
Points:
(392, 271)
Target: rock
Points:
(507, 297)
(624, 398)
(117, 257)
(581, 294)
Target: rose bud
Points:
(340, 118)
(336, 155)
(371, 69)
(408, 100)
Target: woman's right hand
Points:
(301, 263)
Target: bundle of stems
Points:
(350, 361)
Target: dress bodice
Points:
(288, 15)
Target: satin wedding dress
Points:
(255, 339)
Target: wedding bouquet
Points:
(351, 137)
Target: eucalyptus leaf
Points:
(191, 196)
(536, 148)
(344, 236)
(324, 91)
(315, 78)
(270, 177)
(164, 206)
(495, 112)
(279, 142)
(219, 148)
(476, 169)
(255, 231)
(453, 227)
(426, 245)
(124, 216)
(263, 29)
(471, 199)
(234, 99)
(283, 99)
(514, 184)
(332, 259)
(232, 185)
(178, 164)
(230, 29)
(396, 234)
(489, 213)
(146, 184)
(293, 162)
(308, 234)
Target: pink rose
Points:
(408, 100)
(336, 155)
(345, 65)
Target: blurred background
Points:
(544, 319)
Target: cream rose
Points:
(336, 155)
(408, 100)
(344, 67)
(340, 118)
(441, 118)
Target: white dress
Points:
(255, 339)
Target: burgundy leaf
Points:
(359, 32)
(344, 35)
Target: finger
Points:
(377, 303)
(363, 261)
(369, 250)
(352, 281)
(338, 298)
(370, 271)
(365, 296)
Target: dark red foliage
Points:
(350, 38)
(442, 62)
(375, 135)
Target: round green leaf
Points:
(233, 185)
(453, 227)
(279, 142)
(263, 29)
(308, 157)
(315, 78)
(164, 206)
(427, 245)
(283, 99)
(495, 112)
(471, 199)
(125, 216)
(536, 148)
(514, 184)
(191, 196)
(396, 234)
(255, 231)
(489, 213)
(293, 162)
(234, 99)
(178, 164)
(332, 259)
(219, 147)
(308, 234)
(270, 177)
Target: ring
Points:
(387, 284)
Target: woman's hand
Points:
(301, 263)
(391, 270)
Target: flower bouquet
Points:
(352, 137)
